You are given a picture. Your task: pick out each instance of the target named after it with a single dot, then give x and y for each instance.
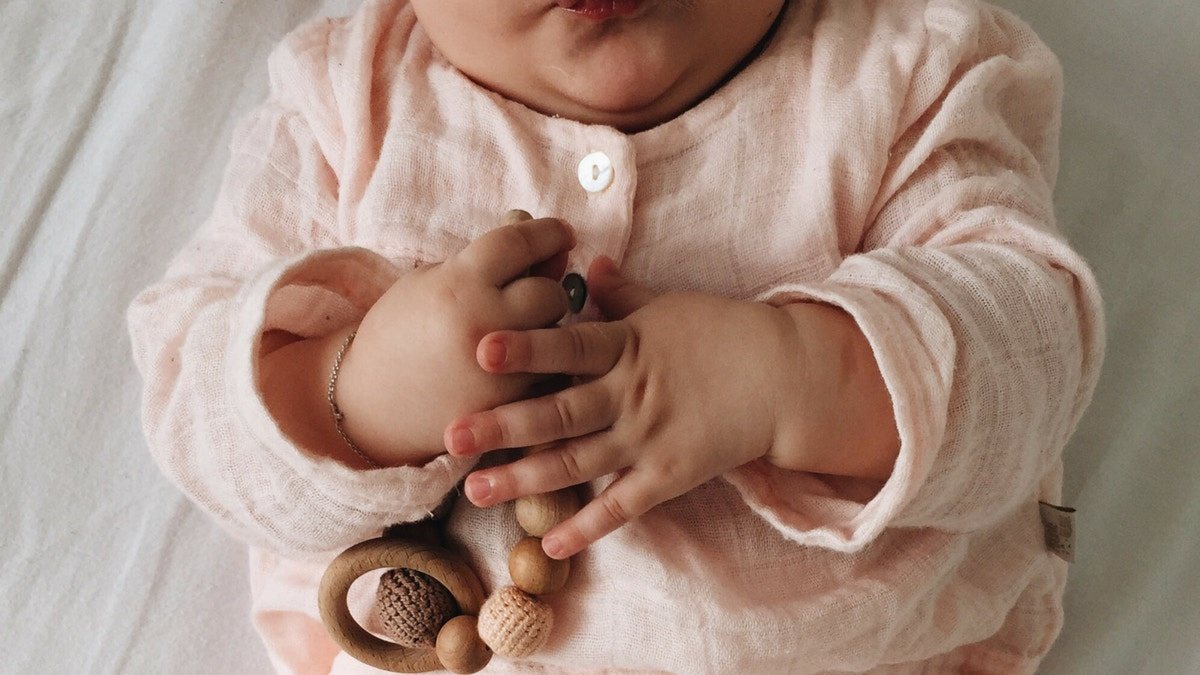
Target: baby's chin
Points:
(620, 91)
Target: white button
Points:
(596, 172)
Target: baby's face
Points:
(631, 64)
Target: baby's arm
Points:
(235, 344)
(964, 316)
(986, 325)
(410, 367)
(266, 261)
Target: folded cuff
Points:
(811, 511)
(356, 278)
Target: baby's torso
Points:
(772, 180)
(750, 189)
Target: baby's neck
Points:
(629, 74)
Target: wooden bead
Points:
(537, 514)
(514, 624)
(516, 216)
(459, 647)
(535, 572)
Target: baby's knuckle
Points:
(503, 431)
(667, 471)
(638, 391)
(616, 511)
(517, 240)
(564, 415)
(646, 416)
(632, 354)
(570, 466)
(518, 355)
(577, 344)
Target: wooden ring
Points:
(387, 553)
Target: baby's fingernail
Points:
(462, 441)
(553, 547)
(495, 354)
(479, 488)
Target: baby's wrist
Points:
(361, 419)
(293, 380)
(336, 410)
(838, 417)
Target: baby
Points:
(833, 352)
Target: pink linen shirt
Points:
(895, 158)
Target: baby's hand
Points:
(411, 368)
(684, 388)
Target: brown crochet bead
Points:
(459, 648)
(535, 572)
(413, 607)
(514, 624)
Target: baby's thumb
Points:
(616, 296)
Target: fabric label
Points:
(1058, 524)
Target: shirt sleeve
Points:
(269, 258)
(987, 327)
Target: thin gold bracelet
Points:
(338, 415)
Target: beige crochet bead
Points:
(513, 624)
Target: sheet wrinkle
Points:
(164, 560)
(45, 197)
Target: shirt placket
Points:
(602, 182)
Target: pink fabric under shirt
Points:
(895, 158)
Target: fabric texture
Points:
(895, 159)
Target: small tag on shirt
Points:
(1058, 523)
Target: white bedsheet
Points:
(114, 119)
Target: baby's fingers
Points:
(630, 496)
(506, 253)
(582, 460)
(534, 302)
(590, 348)
(573, 412)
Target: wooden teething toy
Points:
(456, 649)
(432, 604)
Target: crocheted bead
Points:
(514, 624)
(535, 572)
(459, 648)
(536, 514)
(413, 607)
